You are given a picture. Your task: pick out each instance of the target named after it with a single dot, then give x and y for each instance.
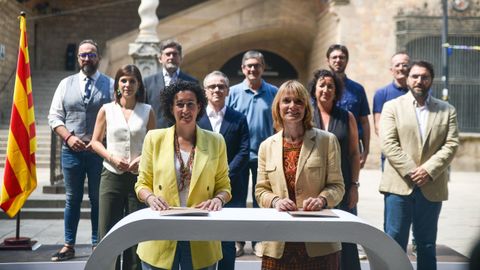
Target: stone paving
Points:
(459, 226)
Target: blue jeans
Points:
(414, 209)
(183, 258)
(77, 165)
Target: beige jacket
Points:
(318, 174)
(403, 147)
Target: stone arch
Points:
(215, 31)
(214, 55)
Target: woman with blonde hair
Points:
(298, 168)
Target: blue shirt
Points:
(386, 93)
(355, 101)
(257, 107)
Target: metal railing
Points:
(464, 75)
(56, 175)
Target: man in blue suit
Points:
(170, 58)
(234, 129)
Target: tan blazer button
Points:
(160, 187)
(208, 188)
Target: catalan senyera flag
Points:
(20, 174)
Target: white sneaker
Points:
(361, 253)
(257, 249)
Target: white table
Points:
(238, 224)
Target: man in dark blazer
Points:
(234, 129)
(170, 58)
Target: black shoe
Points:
(64, 256)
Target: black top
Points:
(339, 126)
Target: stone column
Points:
(146, 47)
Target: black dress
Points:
(339, 126)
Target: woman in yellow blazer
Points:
(298, 167)
(186, 166)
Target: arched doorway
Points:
(277, 69)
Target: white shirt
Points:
(422, 116)
(56, 108)
(216, 118)
(169, 79)
(125, 138)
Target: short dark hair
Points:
(170, 43)
(129, 70)
(320, 74)
(89, 41)
(424, 64)
(167, 97)
(337, 47)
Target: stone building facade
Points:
(9, 40)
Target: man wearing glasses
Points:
(253, 97)
(234, 129)
(72, 115)
(170, 58)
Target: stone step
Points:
(42, 155)
(49, 206)
(46, 213)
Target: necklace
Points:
(185, 171)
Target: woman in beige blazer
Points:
(298, 167)
(185, 166)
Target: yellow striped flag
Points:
(20, 174)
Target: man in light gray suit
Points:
(419, 137)
(170, 58)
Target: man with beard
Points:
(254, 97)
(419, 137)
(72, 115)
(398, 68)
(170, 58)
(353, 99)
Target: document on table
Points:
(322, 213)
(183, 211)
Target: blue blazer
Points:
(234, 130)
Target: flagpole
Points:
(18, 242)
(17, 230)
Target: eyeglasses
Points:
(256, 66)
(84, 56)
(212, 87)
(190, 105)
